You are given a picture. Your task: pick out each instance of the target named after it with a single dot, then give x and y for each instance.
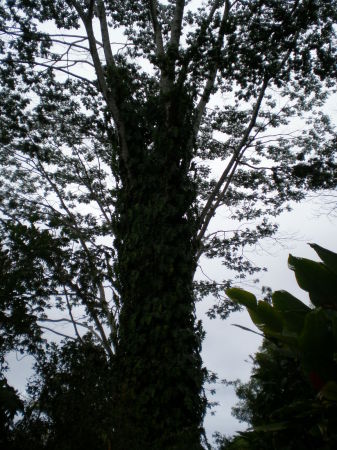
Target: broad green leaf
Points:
(292, 310)
(327, 256)
(267, 318)
(246, 329)
(315, 278)
(289, 340)
(316, 344)
(329, 391)
(326, 301)
(243, 297)
(240, 443)
(284, 301)
(272, 427)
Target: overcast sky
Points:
(226, 348)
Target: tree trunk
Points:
(159, 369)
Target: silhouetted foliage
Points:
(70, 403)
(107, 192)
(291, 399)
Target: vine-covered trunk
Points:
(159, 368)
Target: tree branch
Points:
(93, 316)
(104, 88)
(61, 69)
(210, 207)
(89, 256)
(110, 317)
(157, 30)
(200, 109)
(71, 314)
(176, 25)
(214, 207)
(58, 333)
(209, 210)
(101, 13)
(197, 38)
(91, 9)
(165, 83)
(72, 321)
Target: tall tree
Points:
(106, 134)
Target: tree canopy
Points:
(124, 127)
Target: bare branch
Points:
(209, 210)
(67, 72)
(61, 69)
(64, 319)
(98, 67)
(71, 314)
(177, 24)
(104, 88)
(200, 109)
(105, 33)
(58, 333)
(110, 316)
(94, 53)
(241, 163)
(214, 207)
(79, 36)
(156, 29)
(165, 82)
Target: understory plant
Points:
(299, 350)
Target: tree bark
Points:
(158, 364)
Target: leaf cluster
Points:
(293, 386)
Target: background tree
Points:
(10, 405)
(70, 400)
(106, 170)
(277, 391)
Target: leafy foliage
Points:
(107, 194)
(10, 405)
(70, 402)
(291, 398)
